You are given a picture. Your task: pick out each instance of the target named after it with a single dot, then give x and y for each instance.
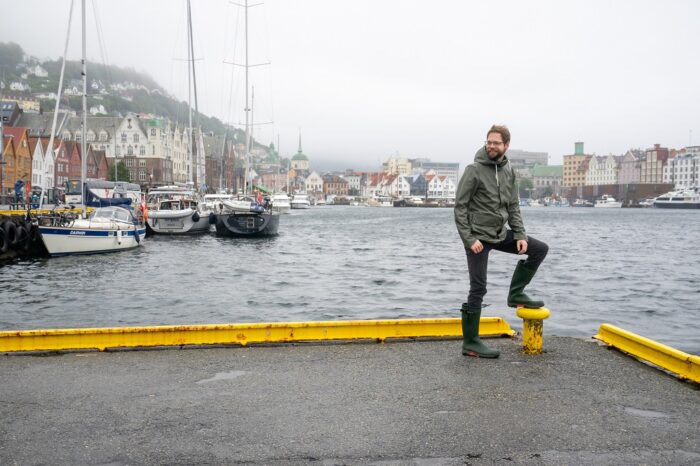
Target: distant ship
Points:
(686, 198)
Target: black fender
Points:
(4, 244)
(23, 239)
(212, 218)
(10, 231)
(195, 217)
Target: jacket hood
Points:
(483, 158)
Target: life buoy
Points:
(195, 217)
(10, 231)
(4, 244)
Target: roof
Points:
(547, 170)
(300, 156)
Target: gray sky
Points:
(367, 79)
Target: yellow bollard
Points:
(532, 328)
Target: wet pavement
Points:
(396, 403)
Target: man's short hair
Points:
(502, 130)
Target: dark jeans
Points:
(478, 263)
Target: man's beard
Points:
(497, 154)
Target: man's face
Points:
(494, 146)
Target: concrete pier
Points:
(396, 403)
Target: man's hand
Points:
(522, 246)
(477, 247)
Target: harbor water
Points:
(634, 268)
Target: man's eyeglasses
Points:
(493, 143)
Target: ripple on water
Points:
(636, 268)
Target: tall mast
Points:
(247, 108)
(83, 143)
(190, 139)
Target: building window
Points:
(142, 163)
(129, 150)
(142, 150)
(123, 137)
(136, 137)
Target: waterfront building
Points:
(313, 184)
(397, 166)
(602, 170)
(440, 187)
(419, 185)
(575, 167)
(43, 163)
(526, 159)
(299, 160)
(354, 182)
(630, 167)
(62, 163)
(393, 185)
(220, 160)
(448, 169)
(334, 185)
(17, 156)
(652, 165)
(547, 179)
(683, 170)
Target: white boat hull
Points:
(299, 205)
(65, 241)
(282, 209)
(178, 222)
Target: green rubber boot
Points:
(472, 345)
(521, 278)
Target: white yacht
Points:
(685, 198)
(281, 203)
(173, 210)
(300, 201)
(608, 202)
(107, 229)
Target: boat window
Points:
(676, 198)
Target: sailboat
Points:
(112, 226)
(175, 210)
(247, 216)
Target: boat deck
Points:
(394, 403)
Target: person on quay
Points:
(487, 200)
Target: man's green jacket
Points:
(487, 199)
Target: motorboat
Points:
(582, 203)
(301, 201)
(106, 229)
(685, 198)
(173, 210)
(214, 202)
(280, 203)
(607, 202)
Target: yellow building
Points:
(575, 167)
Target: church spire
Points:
(300, 140)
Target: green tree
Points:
(524, 187)
(10, 55)
(122, 173)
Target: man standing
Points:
(487, 199)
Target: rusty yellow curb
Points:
(241, 334)
(685, 366)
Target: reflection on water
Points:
(635, 268)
